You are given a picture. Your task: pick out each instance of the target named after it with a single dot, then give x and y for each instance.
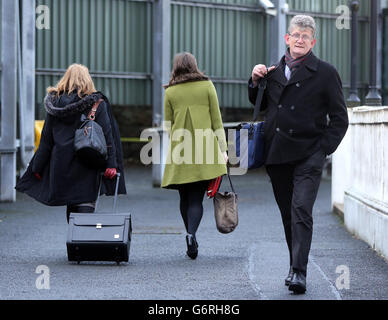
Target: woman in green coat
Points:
(197, 150)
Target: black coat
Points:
(297, 111)
(65, 179)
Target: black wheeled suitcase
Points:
(99, 236)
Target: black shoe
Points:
(289, 277)
(192, 246)
(298, 283)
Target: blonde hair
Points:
(76, 77)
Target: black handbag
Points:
(100, 236)
(252, 155)
(89, 140)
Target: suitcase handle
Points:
(116, 192)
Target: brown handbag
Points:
(225, 210)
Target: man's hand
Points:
(260, 71)
(110, 173)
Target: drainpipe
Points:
(354, 100)
(373, 98)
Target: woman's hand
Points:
(110, 173)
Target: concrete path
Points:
(250, 263)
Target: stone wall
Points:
(360, 176)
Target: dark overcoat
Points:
(303, 114)
(65, 179)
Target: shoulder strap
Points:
(230, 181)
(260, 94)
(92, 113)
(259, 99)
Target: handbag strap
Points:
(92, 113)
(259, 99)
(230, 181)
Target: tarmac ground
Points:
(247, 264)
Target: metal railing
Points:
(223, 6)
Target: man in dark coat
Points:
(305, 120)
(55, 176)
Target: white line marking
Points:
(333, 288)
(252, 277)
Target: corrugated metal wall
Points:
(225, 42)
(115, 36)
(240, 32)
(112, 37)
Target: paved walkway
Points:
(250, 263)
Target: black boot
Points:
(298, 283)
(192, 246)
(289, 277)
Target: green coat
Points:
(194, 154)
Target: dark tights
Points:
(191, 198)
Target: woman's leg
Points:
(183, 204)
(191, 197)
(78, 209)
(85, 209)
(195, 194)
(69, 209)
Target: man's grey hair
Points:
(303, 22)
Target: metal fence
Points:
(113, 38)
(225, 40)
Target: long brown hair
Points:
(76, 77)
(185, 69)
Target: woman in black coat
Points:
(55, 176)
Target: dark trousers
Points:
(191, 208)
(295, 186)
(78, 209)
